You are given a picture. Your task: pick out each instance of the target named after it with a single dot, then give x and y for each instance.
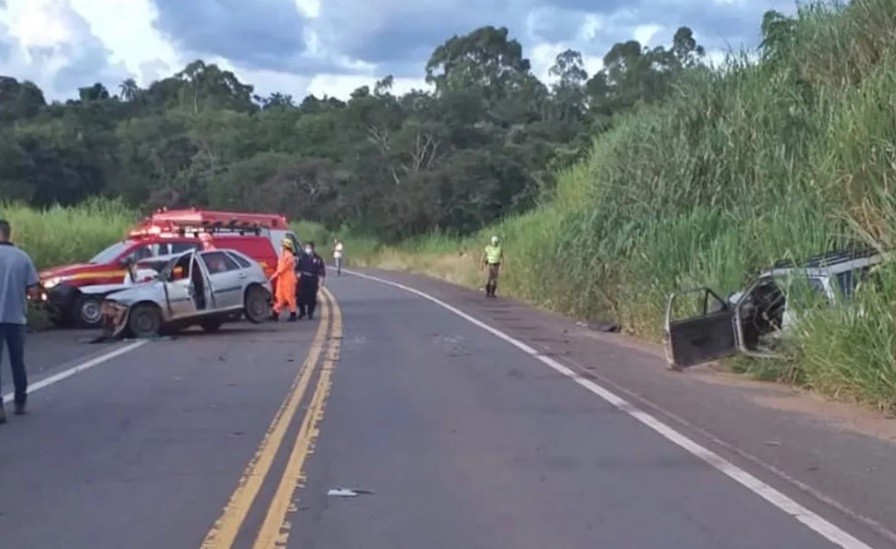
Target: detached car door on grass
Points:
(706, 334)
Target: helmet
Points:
(494, 240)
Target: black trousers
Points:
(307, 298)
(13, 335)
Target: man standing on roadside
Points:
(492, 260)
(337, 256)
(312, 272)
(18, 277)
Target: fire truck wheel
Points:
(87, 312)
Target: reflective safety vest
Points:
(492, 254)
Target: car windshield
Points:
(109, 254)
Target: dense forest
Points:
(486, 141)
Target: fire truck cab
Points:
(163, 233)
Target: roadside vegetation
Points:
(739, 167)
(610, 190)
(62, 235)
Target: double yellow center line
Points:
(274, 530)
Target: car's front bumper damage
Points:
(115, 319)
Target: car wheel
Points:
(257, 305)
(88, 311)
(145, 320)
(211, 326)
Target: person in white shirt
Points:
(337, 256)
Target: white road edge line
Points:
(813, 521)
(84, 366)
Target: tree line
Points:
(484, 143)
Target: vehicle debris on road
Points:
(348, 492)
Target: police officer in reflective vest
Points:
(492, 261)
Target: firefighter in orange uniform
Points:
(285, 278)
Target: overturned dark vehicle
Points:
(751, 321)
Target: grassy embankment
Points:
(743, 166)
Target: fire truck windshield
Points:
(111, 253)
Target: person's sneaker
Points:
(274, 318)
(20, 408)
(292, 317)
(2, 413)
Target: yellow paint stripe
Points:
(94, 274)
(227, 527)
(275, 530)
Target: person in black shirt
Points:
(312, 273)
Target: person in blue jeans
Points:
(18, 277)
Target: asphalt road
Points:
(462, 439)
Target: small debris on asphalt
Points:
(772, 443)
(606, 327)
(347, 492)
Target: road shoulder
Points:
(795, 440)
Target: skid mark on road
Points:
(227, 527)
(275, 530)
(802, 514)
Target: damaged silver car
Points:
(751, 321)
(195, 288)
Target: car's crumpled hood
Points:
(102, 289)
(150, 291)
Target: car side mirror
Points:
(126, 262)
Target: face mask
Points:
(308, 251)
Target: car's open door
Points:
(706, 334)
(180, 290)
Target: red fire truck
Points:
(165, 232)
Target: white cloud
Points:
(40, 23)
(646, 33)
(125, 27)
(65, 44)
(591, 25)
(542, 58)
(310, 8)
(341, 85)
(52, 45)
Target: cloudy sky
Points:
(331, 46)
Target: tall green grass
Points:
(740, 167)
(61, 235)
